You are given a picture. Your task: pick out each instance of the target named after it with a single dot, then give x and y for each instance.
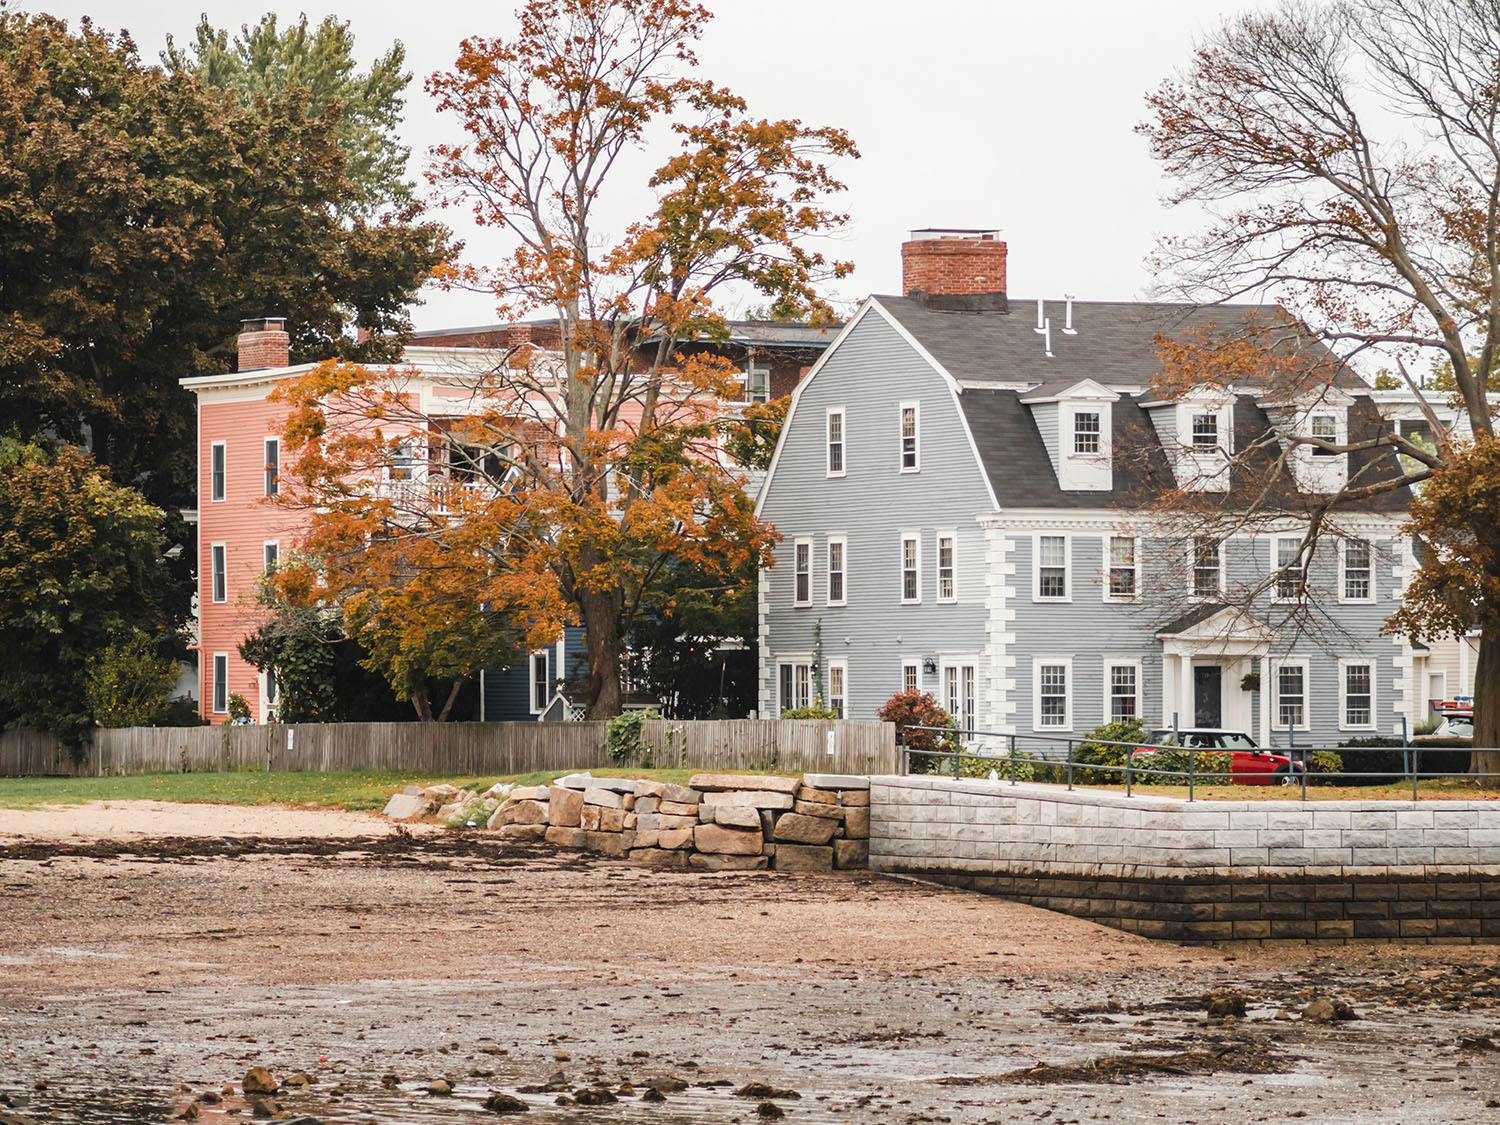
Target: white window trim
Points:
(794, 661)
(1274, 667)
(951, 534)
(220, 683)
(914, 663)
(1343, 569)
(1036, 694)
(1277, 598)
(1112, 662)
(749, 370)
(554, 674)
(213, 496)
(1192, 582)
(843, 442)
(1344, 723)
(843, 541)
(272, 486)
(1074, 413)
(215, 571)
(958, 664)
(264, 559)
(843, 667)
(1121, 599)
(1036, 567)
(906, 537)
(916, 419)
(798, 602)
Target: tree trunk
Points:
(601, 624)
(452, 698)
(1486, 756)
(422, 705)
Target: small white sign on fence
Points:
(291, 738)
(832, 753)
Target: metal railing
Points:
(1048, 759)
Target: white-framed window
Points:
(218, 568)
(1208, 567)
(1086, 432)
(910, 462)
(541, 680)
(271, 691)
(838, 687)
(218, 471)
(270, 555)
(835, 436)
(1123, 582)
(1357, 571)
(1052, 693)
(793, 683)
(1324, 427)
(403, 461)
(1356, 695)
(1051, 568)
(958, 694)
(947, 567)
(757, 380)
(273, 466)
(221, 683)
(911, 675)
(911, 568)
(838, 562)
(1291, 568)
(1289, 694)
(802, 572)
(1122, 684)
(1205, 431)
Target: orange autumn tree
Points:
(1347, 156)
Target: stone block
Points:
(728, 782)
(850, 798)
(630, 819)
(857, 823)
(767, 822)
(727, 841)
(523, 832)
(565, 807)
(574, 781)
(665, 792)
(597, 818)
(648, 839)
(408, 806)
(736, 816)
(606, 798)
(678, 808)
(609, 843)
(656, 857)
(815, 808)
(703, 862)
(754, 798)
(794, 828)
(564, 837)
(523, 812)
(839, 781)
(654, 822)
(530, 793)
(674, 839)
(849, 854)
(799, 857)
(647, 804)
(818, 796)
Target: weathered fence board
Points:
(456, 748)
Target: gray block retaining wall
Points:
(1202, 870)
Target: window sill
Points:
(836, 605)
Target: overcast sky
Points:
(1016, 116)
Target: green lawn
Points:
(354, 790)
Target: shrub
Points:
(1324, 761)
(813, 711)
(128, 682)
(908, 709)
(1093, 751)
(239, 710)
(1207, 765)
(622, 734)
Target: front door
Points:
(1208, 695)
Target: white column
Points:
(1185, 706)
(1166, 688)
(1264, 734)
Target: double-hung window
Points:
(838, 687)
(1124, 682)
(1291, 569)
(958, 687)
(802, 571)
(947, 590)
(794, 684)
(1086, 432)
(1356, 583)
(541, 680)
(221, 683)
(757, 383)
(911, 675)
(1052, 694)
(1324, 427)
(911, 569)
(1208, 567)
(218, 457)
(838, 552)
(1289, 695)
(1357, 695)
(835, 437)
(273, 466)
(909, 422)
(1052, 568)
(1205, 432)
(219, 571)
(270, 556)
(1123, 576)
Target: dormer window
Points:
(1076, 421)
(1324, 427)
(1086, 432)
(1205, 431)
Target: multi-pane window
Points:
(1205, 431)
(835, 443)
(837, 688)
(795, 683)
(1324, 427)
(1291, 696)
(1291, 570)
(911, 675)
(836, 549)
(1207, 567)
(802, 571)
(1052, 566)
(217, 475)
(1356, 570)
(221, 683)
(757, 383)
(1359, 696)
(958, 686)
(271, 555)
(403, 458)
(1086, 432)
(273, 690)
(1052, 695)
(220, 573)
(908, 437)
(1122, 572)
(541, 680)
(911, 590)
(1124, 687)
(273, 466)
(945, 569)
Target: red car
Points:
(1249, 764)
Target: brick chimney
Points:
(264, 343)
(955, 263)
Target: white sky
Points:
(1011, 115)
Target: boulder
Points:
(524, 831)
(728, 841)
(815, 808)
(727, 862)
(736, 816)
(407, 806)
(678, 808)
(656, 857)
(501, 790)
(755, 798)
(564, 807)
(574, 781)
(725, 782)
(674, 839)
(565, 837)
(524, 792)
(449, 811)
(857, 823)
(794, 828)
(443, 792)
(523, 812)
(259, 1080)
(800, 857)
(851, 854)
(595, 795)
(837, 781)
(679, 793)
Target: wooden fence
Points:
(456, 748)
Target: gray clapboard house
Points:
(972, 498)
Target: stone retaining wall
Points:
(1203, 870)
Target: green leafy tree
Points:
(266, 61)
(81, 568)
(299, 647)
(751, 438)
(144, 216)
(129, 681)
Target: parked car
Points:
(1248, 765)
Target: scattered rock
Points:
(440, 1087)
(188, 1112)
(668, 1085)
(653, 1095)
(301, 1078)
(504, 1103)
(264, 1107)
(770, 1110)
(597, 1096)
(762, 1090)
(259, 1080)
(1225, 1004)
(1324, 1010)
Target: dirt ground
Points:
(151, 954)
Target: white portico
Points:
(1206, 655)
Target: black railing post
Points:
(1192, 772)
(1012, 759)
(1416, 769)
